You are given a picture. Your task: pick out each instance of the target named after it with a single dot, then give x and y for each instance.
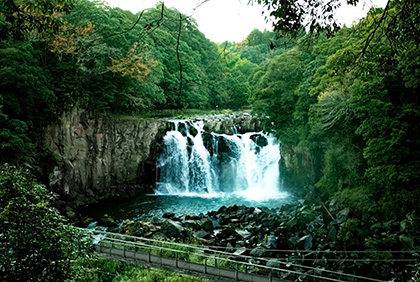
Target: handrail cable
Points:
(238, 262)
(271, 250)
(220, 252)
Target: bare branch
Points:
(372, 34)
(200, 3)
(125, 31)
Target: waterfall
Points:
(195, 162)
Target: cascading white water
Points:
(208, 164)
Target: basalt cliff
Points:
(106, 157)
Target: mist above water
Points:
(196, 163)
(201, 171)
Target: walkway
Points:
(205, 262)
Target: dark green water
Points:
(148, 206)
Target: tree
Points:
(259, 46)
(319, 16)
(25, 15)
(356, 116)
(15, 145)
(36, 243)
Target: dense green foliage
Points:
(36, 244)
(63, 54)
(348, 113)
(346, 109)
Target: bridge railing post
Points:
(150, 255)
(205, 266)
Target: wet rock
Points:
(306, 241)
(273, 263)
(259, 140)
(240, 251)
(258, 252)
(129, 227)
(271, 242)
(159, 236)
(191, 217)
(216, 222)
(244, 233)
(124, 225)
(156, 220)
(191, 224)
(222, 209)
(244, 218)
(227, 232)
(107, 221)
(206, 224)
(229, 248)
(232, 209)
(148, 234)
(169, 215)
(202, 234)
(172, 229)
(294, 240)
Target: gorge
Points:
(108, 157)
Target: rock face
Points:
(233, 123)
(102, 157)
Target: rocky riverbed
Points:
(305, 236)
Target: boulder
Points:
(244, 233)
(271, 242)
(169, 215)
(206, 224)
(227, 232)
(273, 263)
(240, 251)
(172, 229)
(201, 234)
(216, 222)
(107, 221)
(258, 252)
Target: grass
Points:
(95, 269)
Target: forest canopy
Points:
(344, 104)
(350, 106)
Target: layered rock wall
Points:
(233, 123)
(102, 157)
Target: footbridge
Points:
(206, 262)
